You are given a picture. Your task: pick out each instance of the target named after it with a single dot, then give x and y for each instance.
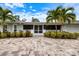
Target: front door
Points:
(38, 29)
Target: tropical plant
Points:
(61, 15)
(16, 17)
(61, 35)
(67, 15)
(54, 16)
(5, 15)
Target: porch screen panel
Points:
(40, 28)
(36, 29)
(52, 27)
(27, 27)
(58, 27)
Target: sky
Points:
(37, 10)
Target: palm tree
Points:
(67, 15)
(16, 17)
(54, 15)
(61, 15)
(5, 14)
(35, 19)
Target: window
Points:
(52, 27)
(58, 27)
(27, 27)
(5, 28)
(15, 28)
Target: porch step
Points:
(38, 35)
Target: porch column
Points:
(1, 28)
(33, 29)
(43, 28)
(61, 28)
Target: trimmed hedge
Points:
(61, 35)
(3, 35)
(47, 34)
(15, 34)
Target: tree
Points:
(16, 17)
(35, 19)
(54, 15)
(5, 14)
(67, 15)
(61, 15)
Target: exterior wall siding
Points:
(10, 28)
(19, 27)
(70, 28)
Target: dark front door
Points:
(38, 29)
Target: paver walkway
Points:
(38, 46)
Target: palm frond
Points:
(69, 9)
(7, 11)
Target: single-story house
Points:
(38, 28)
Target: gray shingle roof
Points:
(40, 23)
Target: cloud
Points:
(12, 5)
(39, 15)
(8, 5)
(30, 7)
(24, 10)
(69, 4)
(33, 10)
(46, 9)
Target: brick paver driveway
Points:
(38, 46)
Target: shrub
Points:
(28, 33)
(8, 34)
(72, 36)
(63, 35)
(52, 34)
(23, 34)
(31, 35)
(47, 34)
(77, 34)
(18, 34)
(69, 35)
(3, 35)
(59, 35)
(12, 34)
(15, 34)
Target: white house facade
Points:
(38, 28)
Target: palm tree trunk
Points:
(56, 28)
(3, 23)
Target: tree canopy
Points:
(61, 15)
